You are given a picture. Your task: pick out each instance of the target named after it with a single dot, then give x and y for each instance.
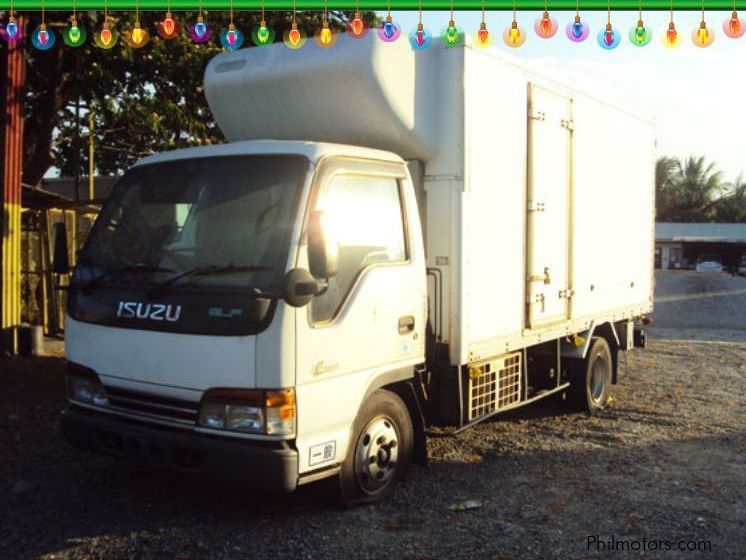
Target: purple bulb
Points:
(577, 29)
(388, 29)
(231, 36)
(43, 37)
(11, 29)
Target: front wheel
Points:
(381, 454)
(590, 379)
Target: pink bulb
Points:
(43, 37)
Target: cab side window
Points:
(365, 214)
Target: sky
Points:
(695, 95)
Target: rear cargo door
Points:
(548, 208)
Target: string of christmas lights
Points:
(262, 35)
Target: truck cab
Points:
(195, 306)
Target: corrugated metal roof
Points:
(721, 233)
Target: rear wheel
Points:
(381, 450)
(590, 379)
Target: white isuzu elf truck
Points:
(390, 240)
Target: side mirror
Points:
(323, 248)
(60, 260)
(300, 287)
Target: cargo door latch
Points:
(545, 278)
(567, 293)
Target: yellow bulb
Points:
(515, 35)
(326, 35)
(137, 35)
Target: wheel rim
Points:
(376, 454)
(598, 378)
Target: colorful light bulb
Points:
(483, 36)
(201, 32)
(734, 26)
(200, 28)
(639, 35)
(514, 36)
(671, 36)
(609, 38)
(294, 35)
(12, 28)
(389, 31)
(106, 36)
(419, 38)
(326, 34)
(231, 36)
(43, 38)
(357, 26)
(703, 36)
(451, 33)
(388, 28)
(546, 26)
(137, 35)
(74, 36)
(169, 25)
(168, 28)
(294, 38)
(262, 33)
(577, 31)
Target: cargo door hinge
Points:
(568, 124)
(535, 206)
(566, 294)
(536, 298)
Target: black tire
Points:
(383, 419)
(590, 379)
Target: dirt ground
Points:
(665, 462)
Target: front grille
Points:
(153, 406)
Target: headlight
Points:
(255, 412)
(84, 386)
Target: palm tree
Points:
(731, 207)
(687, 190)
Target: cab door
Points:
(368, 326)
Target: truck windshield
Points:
(218, 222)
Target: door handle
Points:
(406, 324)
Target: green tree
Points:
(731, 207)
(688, 190)
(143, 100)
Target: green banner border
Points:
(380, 5)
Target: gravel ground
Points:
(699, 306)
(665, 461)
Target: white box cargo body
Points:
(537, 200)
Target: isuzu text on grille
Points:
(152, 311)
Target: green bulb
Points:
(75, 33)
(262, 34)
(452, 34)
(640, 34)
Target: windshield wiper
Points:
(113, 271)
(211, 270)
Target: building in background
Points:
(678, 246)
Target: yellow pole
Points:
(91, 152)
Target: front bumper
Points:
(270, 466)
